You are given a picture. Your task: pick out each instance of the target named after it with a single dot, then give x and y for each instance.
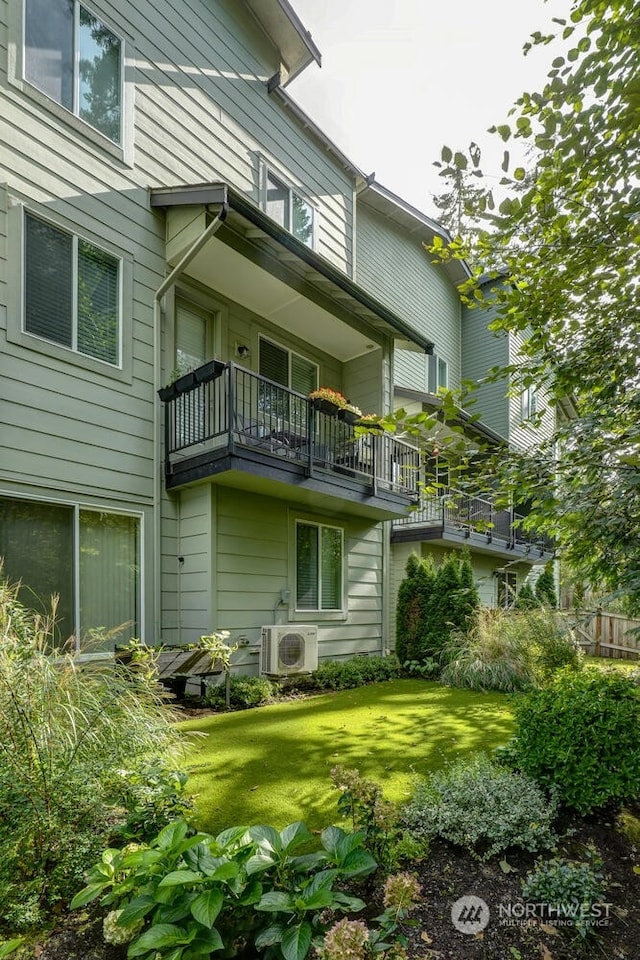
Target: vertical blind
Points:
(37, 542)
(109, 581)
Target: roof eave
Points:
(286, 31)
(216, 194)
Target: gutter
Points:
(158, 296)
(247, 209)
(210, 193)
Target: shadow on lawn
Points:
(272, 764)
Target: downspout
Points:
(166, 285)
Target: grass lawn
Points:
(623, 665)
(271, 764)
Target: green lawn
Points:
(271, 765)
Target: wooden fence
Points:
(604, 634)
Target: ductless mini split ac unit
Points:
(289, 649)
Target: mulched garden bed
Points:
(446, 875)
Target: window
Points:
(76, 60)
(287, 368)
(72, 292)
(192, 335)
(289, 209)
(319, 567)
(90, 559)
(437, 373)
(529, 402)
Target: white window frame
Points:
(75, 237)
(319, 612)
(441, 365)
(77, 507)
(529, 402)
(16, 75)
(283, 181)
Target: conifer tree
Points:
(526, 598)
(546, 589)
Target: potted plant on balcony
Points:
(371, 422)
(327, 400)
(350, 413)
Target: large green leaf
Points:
(270, 936)
(157, 938)
(87, 894)
(172, 834)
(275, 901)
(138, 908)
(206, 943)
(206, 907)
(294, 835)
(296, 941)
(179, 878)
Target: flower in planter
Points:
(352, 408)
(331, 396)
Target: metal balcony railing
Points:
(459, 512)
(225, 408)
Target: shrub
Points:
(569, 891)
(509, 652)
(197, 895)
(244, 692)
(152, 796)
(495, 654)
(65, 729)
(431, 604)
(482, 806)
(546, 589)
(580, 735)
(556, 650)
(525, 598)
(412, 608)
(362, 803)
(344, 674)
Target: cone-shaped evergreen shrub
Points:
(526, 598)
(431, 604)
(546, 589)
(412, 608)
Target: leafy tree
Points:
(567, 237)
(461, 206)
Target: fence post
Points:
(598, 633)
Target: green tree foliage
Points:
(546, 589)
(443, 613)
(431, 604)
(567, 237)
(526, 598)
(579, 735)
(412, 605)
(468, 596)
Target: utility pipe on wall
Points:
(166, 285)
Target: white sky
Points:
(400, 78)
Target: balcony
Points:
(454, 517)
(227, 424)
